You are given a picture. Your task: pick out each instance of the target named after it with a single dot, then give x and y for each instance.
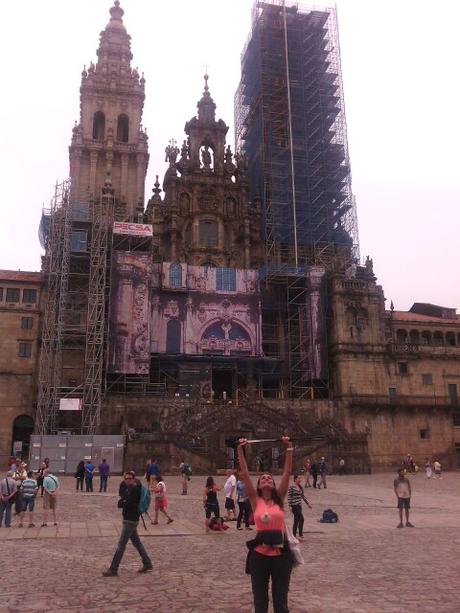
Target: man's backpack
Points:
(187, 470)
(144, 500)
(329, 517)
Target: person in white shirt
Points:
(229, 493)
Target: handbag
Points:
(297, 557)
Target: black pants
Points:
(79, 485)
(298, 519)
(89, 484)
(279, 569)
(103, 484)
(315, 479)
(245, 507)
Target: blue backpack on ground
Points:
(329, 517)
(144, 500)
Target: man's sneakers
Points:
(145, 569)
(400, 525)
(170, 521)
(409, 525)
(110, 573)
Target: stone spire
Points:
(114, 53)
(206, 106)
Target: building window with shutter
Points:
(12, 294)
(29, 295)
(27, 323)
(25, 350)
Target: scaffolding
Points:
(75, 236)
(55, 238)
(290, 121)
(97, 321)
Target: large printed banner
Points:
(180, 309)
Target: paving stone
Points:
(361, 565)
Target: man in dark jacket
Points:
(130, 494)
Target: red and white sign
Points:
(132, 229)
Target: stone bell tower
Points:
(206, 218)
(109, 141)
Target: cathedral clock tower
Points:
(109, 141)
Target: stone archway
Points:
(23, 427)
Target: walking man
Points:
(314, 471)
(51, 486)
(7, 491)
(130, 495)
(89, 474)
(104, 471)
(341, 466)
(403, 495)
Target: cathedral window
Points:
(208, 233)
(175, 275)
(226, 279)
(123, 129)
(99, 126)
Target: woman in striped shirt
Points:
(295, 497)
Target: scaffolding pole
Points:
(56, 268)
(102, 209)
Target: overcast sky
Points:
(401, 82)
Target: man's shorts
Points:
(229, 504)
(49, 502)
(28, 504)
(403, 503)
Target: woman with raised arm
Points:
(269, 554)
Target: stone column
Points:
(92, 172)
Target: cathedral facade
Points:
(167, 321)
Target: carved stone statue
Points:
(206, 157)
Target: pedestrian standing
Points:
(295, 496)
(229, 493)
(104, 472)
(437, 469)
(41, 476)
(29, 493)
(322, 469)
(341, 466)
(314, 472)
(153, 470)
(402, 489)
(80, 475)
(210, 502)
(428, 468)
(130, 494)
(7, 494)
(307, 468)
(89, 474)
(19, 475)
(185, 475)
(51, 486)
(269, 554)
(243, 504)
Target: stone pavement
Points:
(361, 565)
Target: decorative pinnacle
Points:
(116, 12)
(206, 77)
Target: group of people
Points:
(314, 469)
(19, 490)
(432, 467)
(85, 474)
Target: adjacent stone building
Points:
(20, 320)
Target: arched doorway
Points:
(23, 426)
